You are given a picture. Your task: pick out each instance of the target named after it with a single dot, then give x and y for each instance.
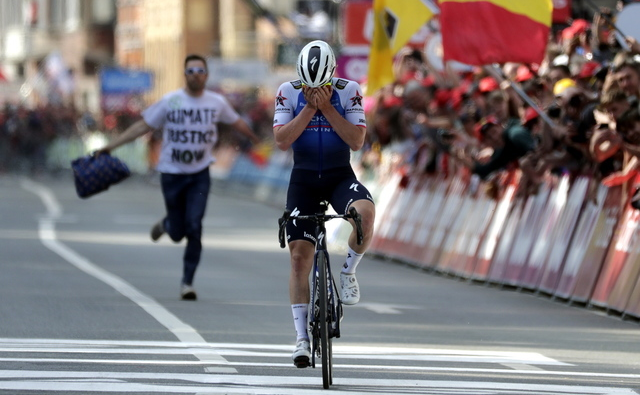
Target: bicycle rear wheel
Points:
(325, 339)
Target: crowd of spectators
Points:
(27, 134)
(576, 113)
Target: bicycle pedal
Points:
(302, 362)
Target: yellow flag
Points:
(394, 24)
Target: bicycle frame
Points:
(326, 313)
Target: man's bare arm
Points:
(131, 133)
(241, 126)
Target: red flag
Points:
(480, 32)
(261, 153)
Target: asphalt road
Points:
(89, 305)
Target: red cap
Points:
(578, 26)
(391, 101)
(442, 97)
(488, 84)
(524, 73)
(456, 97)
(529, 115)
(428, 81)
(408, 76)
(588, 69)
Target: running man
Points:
(188, 118)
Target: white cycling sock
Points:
(300, 312)
(353, 258)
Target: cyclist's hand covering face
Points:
(323, 96)
(309, 96)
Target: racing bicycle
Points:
(325, 316)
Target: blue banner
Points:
(115, 80)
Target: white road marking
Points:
(11, 380)
(64, 381)
(523, 367)
(47, 234)
(383, 308)
(340, 366)
(341, 351)
(228, 242)
(519, 362)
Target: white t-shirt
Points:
(189, 129)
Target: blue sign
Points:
(125, 81)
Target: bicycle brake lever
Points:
(281, 225)
(357, 218)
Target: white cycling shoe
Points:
(302, 354)
(350, 291)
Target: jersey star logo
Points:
(280, 99)
(356, 100)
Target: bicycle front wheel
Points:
(325, 317)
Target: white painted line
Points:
(211, 369)
(279, 351)
(383, 308)
(341, 353)
(14, 234)
(336, 365)
(523, 367)
(47, 233)
(229, 242)
(515, 358)
(139, 362)
(64, 381)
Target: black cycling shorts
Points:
(339, 187)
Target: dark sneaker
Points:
(187, 292)
(157, 230)
(302, 353)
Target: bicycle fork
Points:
(334, 304)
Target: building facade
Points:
(53, 51)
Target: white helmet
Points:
(316, 64)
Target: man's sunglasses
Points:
(195, 70)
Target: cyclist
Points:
(322, 119)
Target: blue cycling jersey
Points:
(319, 146)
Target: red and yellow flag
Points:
(261, 153)
(481, 32)
(394, 22)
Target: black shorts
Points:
(306, 190)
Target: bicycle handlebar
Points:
(321, 218)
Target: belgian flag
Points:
(482, 32)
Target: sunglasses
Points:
(195, 70)
(327, 84)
